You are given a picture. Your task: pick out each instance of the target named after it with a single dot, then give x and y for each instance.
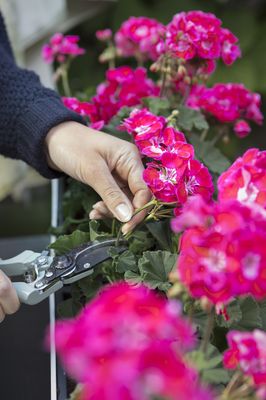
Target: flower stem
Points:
(232, 384)
(65, 81)
(151, 203)
(208, 331)
(203, 135)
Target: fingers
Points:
(141, 198)
(101, 210)
(9, 302)
(2, 314)
(115, 200)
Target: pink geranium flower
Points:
(247, 351)
(128, 343)
(228, 103)
(199, 35)
(245, 180)
(222, 254)
(61, 47)
(104, 35)
(175, 175)
(124, 86)
(139, 37)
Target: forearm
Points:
(27, 112)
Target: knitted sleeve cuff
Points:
(34, 125)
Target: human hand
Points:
(9, 302)
(111, 166)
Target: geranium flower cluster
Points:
(199, 35)
(139, 37)
(228, 103)
(223, 252)
(192, 35)
(128, 343)
(124, 86)
(247, 351)
(61, 47)
(174, 174)
(245, 180)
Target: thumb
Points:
(114, 198)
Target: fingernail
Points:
(92, 214)
(123, 212)
(124, 229)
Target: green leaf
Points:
(262, 307)
(161, 231)
(67, 242)
(140, 241)
(209, 155)
(126, 262)
(90, 285)
(155, 267)
(209, 365)
(251, 315)
(188, 119)
(157, 106)
(95, 233)
(215, 375)
(234, 313)
(132, 278)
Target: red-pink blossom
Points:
(245, 180)
(104, 35)
(197, 34)
(196, 180)
(242, 128)
(144, 125)
(247, 351)
(162, 181)
(175, 175)
(175, 184)
(228, 103)
(124, 86)
(128, 343)
(80, 107)
(157, 145)
(230, 50)
(222, 254)
(139, 37)
(61, 47)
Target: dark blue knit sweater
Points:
(27, 111)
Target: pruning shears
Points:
(37, 275)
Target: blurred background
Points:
(25, 196)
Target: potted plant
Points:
(180, 314)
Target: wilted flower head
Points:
(228, 103)
(128, 343)
(61, 47)
(138, 37)
(247, 351)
